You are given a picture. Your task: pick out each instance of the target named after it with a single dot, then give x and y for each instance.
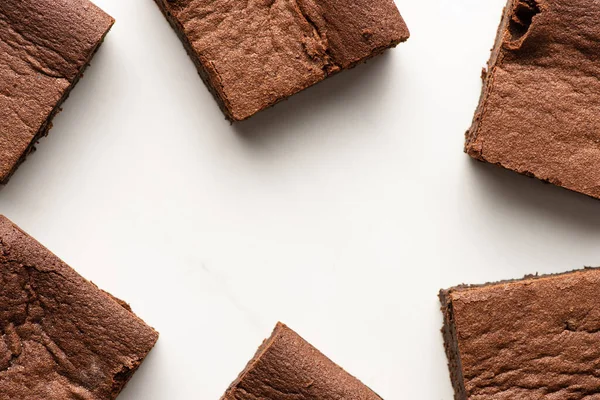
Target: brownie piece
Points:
(254, 54)
(538, 113)
(60, 336)
(286, 366)
(535, 338)
(44, 47)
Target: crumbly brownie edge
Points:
(488, 82)
(259, 352)
(47, 125)
(210, 81)
(376, 52)
(466, 287)
(451, 347)
(121, 378)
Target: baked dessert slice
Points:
(60, 336)
(286, 366)
(44, 47)
(538, 113)
(535, 338)
(254, 54)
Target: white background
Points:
(340, 212)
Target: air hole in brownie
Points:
(522, 18)
(570, 326)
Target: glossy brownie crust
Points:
(44, 47)
(535, 338)
(253, 54)
(538, 114)
(61, 338)
(286, 367)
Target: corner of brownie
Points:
(45, 46)
(60, 336)
(286, 364)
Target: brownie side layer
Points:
(532, 338)
(488, 79)
(451, 347)
(44, 48)
(537, 111)
(60, 336)
(47, 125)
(286, 366)
(207, 74)
(253, 55)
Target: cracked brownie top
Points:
(536, 338)
(287, 367)
(254, 53)
(60, 336)
(44, 47)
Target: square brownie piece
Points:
(44, 47)
(535, 338)
(60, 336)
(253, 54)
(286, 366)
(538, 113)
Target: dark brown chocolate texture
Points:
(44, 47)
(61, 337)
(538, 113)
(286, 367)
(535, 338)
(253, 54)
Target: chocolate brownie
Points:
(254, 54)
(535, 338)
(286, 366)
(538, 113)
(44, 47)
(60, 336)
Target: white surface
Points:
(340, 212)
